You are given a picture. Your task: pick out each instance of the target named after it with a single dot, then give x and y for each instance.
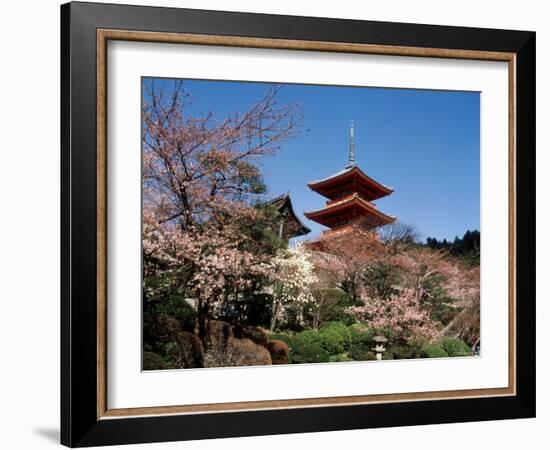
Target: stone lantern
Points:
(379, 347)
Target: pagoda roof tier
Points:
(350, 208)
(351, 179)
(294, 227)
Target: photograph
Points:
(299, 223)
(281, 223)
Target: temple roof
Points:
(352, 204)
(351, 178)
(283, 204)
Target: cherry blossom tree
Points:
(397, 283)
(200, 181)
(402, 314)
(347, 257)
(421, 265)
(198, 168)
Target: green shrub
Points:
(332, 341)
(404, 352)
(360, 342)
(359, 352)
(339, 328)
(455, 347)
(371, 356)
(307, 347)
(341, 357)
(434, 351)
(176, 306)
(336, 337)
(360, 334)
(153, 361)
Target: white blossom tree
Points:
(294, 279)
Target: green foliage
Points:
(361, 342)
(380, 280)
(360, 334)
(403, 352)
(255, 307)
(153, 361)
(158, 330)
(370, 356)
(335, 304)
(349, 286)
(263, 232)
(341, 357)
(307, 347)
(332, 341)
(339, 328)
(455, 347)
(250, 177)
(434, 351)
(437, 300)
(175, 305)
(466, 248)
(361, 352)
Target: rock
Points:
(244, 352)
(223, 349)
(257, 335)
(217, 336)
(191, 350)
(278, 350)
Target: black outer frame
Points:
(79, 424)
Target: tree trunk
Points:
(202, 319)
(274, 314)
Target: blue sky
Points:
(424, 144)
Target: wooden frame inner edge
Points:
(104, 35)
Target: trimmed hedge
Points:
(455, 347)
(332, 341)
(403, 352)
(307, 347)
(342, 357)
(434, 351)
(339, 328)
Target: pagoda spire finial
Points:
(351, 159)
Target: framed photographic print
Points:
(276, 224)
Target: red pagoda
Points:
(350, 206)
